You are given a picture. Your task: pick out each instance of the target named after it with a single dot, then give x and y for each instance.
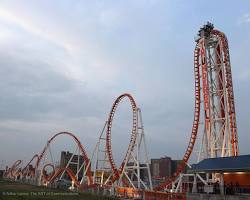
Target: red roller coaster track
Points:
(13, 171)
(82, 150)
(46, 177)
(132, 138)
(57, 172)
(194, 128)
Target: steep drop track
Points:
(230, 98)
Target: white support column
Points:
(101, 165)
(139, 159)
(194, 189)
(221, 184)
(179, 185)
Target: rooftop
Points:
(223, 164)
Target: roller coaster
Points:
(214, 121)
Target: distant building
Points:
(161, 167)
(74, 164)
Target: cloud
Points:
(28, 26)
(82, 56)
(245, 18)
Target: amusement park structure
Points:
(220, 131)
(214, 113)
(214, 120)
(136, 157)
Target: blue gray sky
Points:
(63, 63)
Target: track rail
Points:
(194, 132)
(82, 150)
(131, 145)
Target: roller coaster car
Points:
(206, 30)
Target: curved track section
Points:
(57, 172)
(47, 177)
(82, 150)
(14, 171)
(194, 132)
(132, 138)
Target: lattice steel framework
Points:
(218, 111)
(214, 98)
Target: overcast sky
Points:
(63, 63)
